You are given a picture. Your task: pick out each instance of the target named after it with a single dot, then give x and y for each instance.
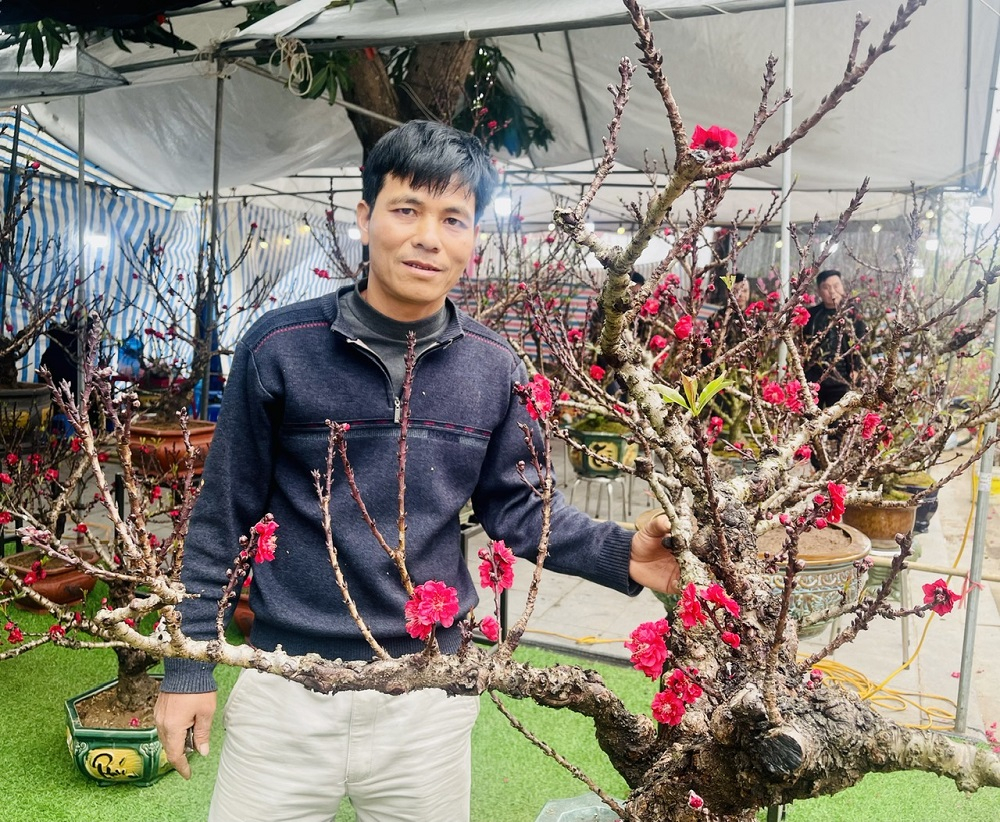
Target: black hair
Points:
(430, 156)
(823, 276)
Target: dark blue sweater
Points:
(298, 367)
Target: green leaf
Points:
(729, 280)
(709, 391)
(690, 390)
(671, 394)
(37, 46)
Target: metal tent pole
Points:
(81, 216)
(208, 310)
(978, 549)
(8, 209)
(786, 169)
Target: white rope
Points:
(205, 59)
(292, 54)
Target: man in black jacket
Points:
(832, 338)
(291, 753)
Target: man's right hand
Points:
(174, 715)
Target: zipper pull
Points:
(398, 413)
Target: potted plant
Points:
(603, 442)
(179, 346)
(110, 733)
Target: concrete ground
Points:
(584, 618)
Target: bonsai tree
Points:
(37, 284)
(184, 318)
(736, 721)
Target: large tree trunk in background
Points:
(371, 88)
(435, 80)
(433, 89)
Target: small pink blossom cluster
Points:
(788, 395)
(431, 603)
(679, 690)
(649, 647)
(991, 737)
(539, 393)
(14, 635)
(714, 429)
(266, 540)
(800, 316)
(696, 607)
(872, 425)
(496, 571)
(837, 499)
(683, 327)
(940, 597)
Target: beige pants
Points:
(291, 754)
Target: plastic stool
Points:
(605, 486)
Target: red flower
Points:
(490, 628)
(657, 342)
(649, 651)
(682, 328)
(731, 639)
(52, 475)
(5, 478)
(820, 523)
(540, 404)
(30, 578)
(773, 393)
(597, 373)
(651, 307)
(695, 801)
(496, 571)
(265, 540)
(803, 452)
(667, 708)
(940, 597)
(574, 335)
(689, 608)
(716, 594)
(14, 634)
(800, 316)
(14, 459)
(81, 528)
(793, 402)
(870, 423)
(431, 603)
(838, 495)
(680, 683)
(57, 630)
(713, 138)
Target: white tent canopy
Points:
(923, 115)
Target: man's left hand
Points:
(652, 565)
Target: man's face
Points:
(419, 243)
(831, 291)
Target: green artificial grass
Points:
(512, 779)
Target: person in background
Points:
(290, 753)
(832, 337)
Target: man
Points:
(832, 337)
(292, 754)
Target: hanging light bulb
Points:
(931, 243)
(621, 229)
(876, 228)
(305, 228)
(503, 204)
(981, 210)
(929, 214)
(287, 240)
(354, 232)
(552, 226)
(779, 244)
(262, 242)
